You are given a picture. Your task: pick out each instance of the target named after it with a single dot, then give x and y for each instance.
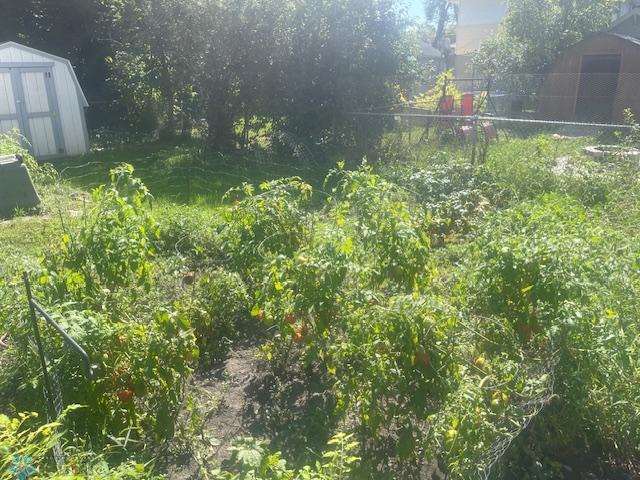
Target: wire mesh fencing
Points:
(477, 136)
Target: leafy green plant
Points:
(301, 294)
(219, 303)
(111, 250)
(394, 364)
(26, 447)
(141, 368)
(269, 222)
(382, 230)
(250, 459)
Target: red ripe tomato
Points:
(125, 395)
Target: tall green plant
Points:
(111, 250)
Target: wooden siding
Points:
(560, 90)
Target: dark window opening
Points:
(597, 88)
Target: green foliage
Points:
(482, 318)
(551, 282)
(265, 223)
(528, 275)
(430, 100)
(112, 249)
(300, 294)
(393, 364)
(455, 193)
(26, 447)
(141, 368)
(630, 137)
(388, 234)
(251, 459)
(192, 234)
(12, 143)
(220, 302)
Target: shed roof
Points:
(52, 57)
(627, 38)
(600, 35)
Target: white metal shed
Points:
(40, 95)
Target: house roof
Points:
(52, 57)
(633, 11)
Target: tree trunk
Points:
(220, 135)
(169, 129)
(443, 17)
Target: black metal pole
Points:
(36, 332)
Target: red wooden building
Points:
(594, 80)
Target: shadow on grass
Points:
(182, 173)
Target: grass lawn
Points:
(182, 174)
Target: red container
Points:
(446, 105)
(467, 104)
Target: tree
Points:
(347, 56)
(155, 57)
(443, 14)
(240, 77)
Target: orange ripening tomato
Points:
(290, 318)
(301, 331)
(125, 395)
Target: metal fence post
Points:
(43, 360)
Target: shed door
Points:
(598, 87)
(28, 102)
(9, 119)
(38, 104)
